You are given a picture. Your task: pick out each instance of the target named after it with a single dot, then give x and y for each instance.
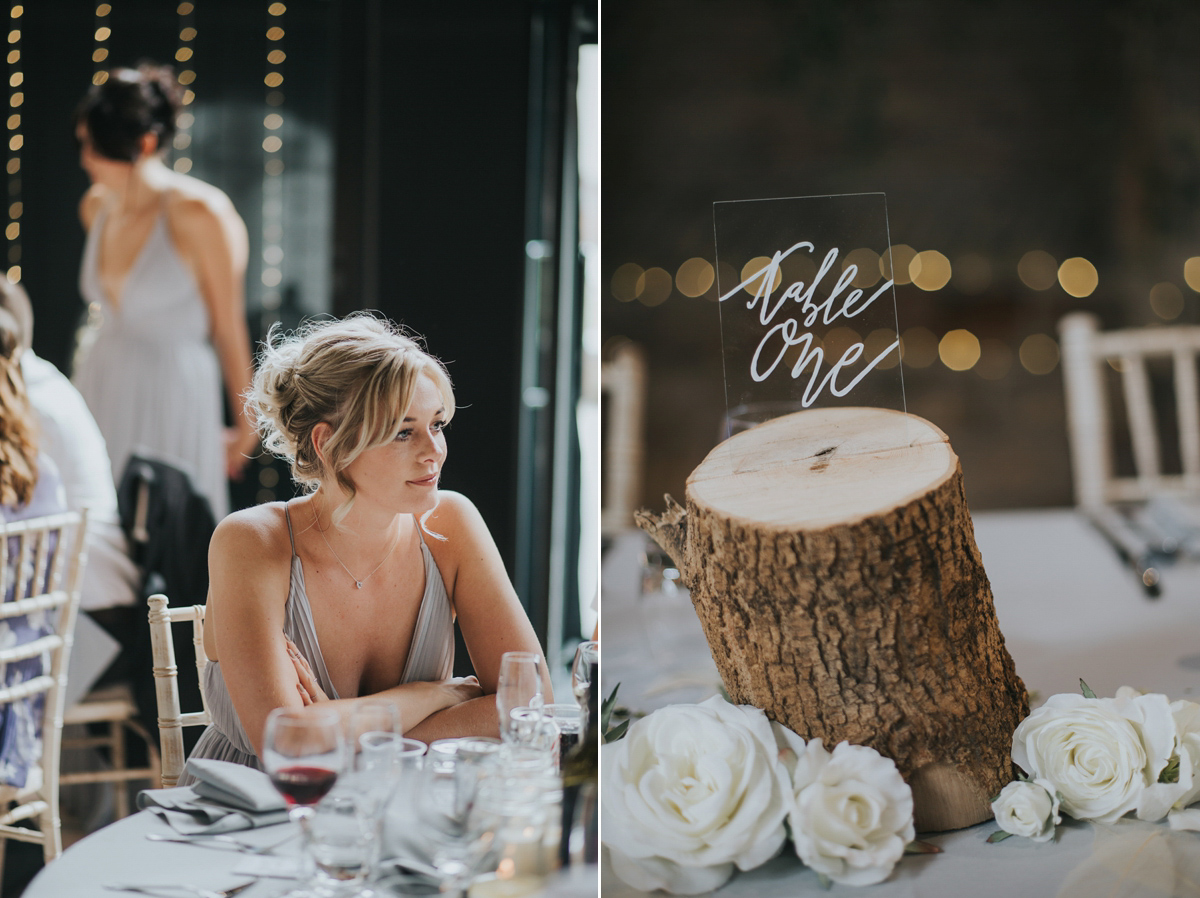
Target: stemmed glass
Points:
(586, 654)
(303, 753)
(519, 686)
(457, 826)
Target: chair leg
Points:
(120, 787)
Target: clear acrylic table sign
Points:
(808, 318)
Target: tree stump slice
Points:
(831, 559)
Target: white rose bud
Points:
(690, 792)
(1100, 754)
(1028, 809)
(853, 814)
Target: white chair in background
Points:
(1086, 351)
(171, 719)
(44, 574)
(623, 397)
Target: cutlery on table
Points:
(1132, 548)
(167, 889)
(219, 841)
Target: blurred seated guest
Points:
(29, 488)
(164, 262)
(351, 591)
(69, 435)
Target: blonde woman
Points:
(351, 590)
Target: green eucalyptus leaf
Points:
(616, 732)
(918, 847)
(998, 836)
(1086, 689)
(1170, 773)
(606, 708)
(825, 881)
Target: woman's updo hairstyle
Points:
(128, 104)
(357, 374)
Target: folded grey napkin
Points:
(226, 797)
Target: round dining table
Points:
(1069, 608)
(120, 853)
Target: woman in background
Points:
(352, 590)
(165, 261)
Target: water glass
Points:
(454, 824)
(343, 838)
(519, 686)
(568, 720)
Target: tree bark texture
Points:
(878, 629)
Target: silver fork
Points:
(160, 890)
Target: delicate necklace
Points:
(358, 583)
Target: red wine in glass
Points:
(302, 785)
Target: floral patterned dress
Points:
(21, 721)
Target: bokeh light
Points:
(1191, 273)
(879, 340)
(899, 256)
(959, 350)
(866, 260)
(995, 359)
(837, 340)
(624, 283)
(654, 286)
(1039, 354)
(1166, 300)
(799, 267)
(694, 277)
(919, 347)
(1038, 270)
(1078, 277)
(758, 263)
(930, 270)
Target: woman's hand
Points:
(455, 691)
(310, 690)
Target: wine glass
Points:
(520, 686)
(454, 823)
(303, 753)
(586, 654)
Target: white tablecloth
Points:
(120, 853)
(1068, 608)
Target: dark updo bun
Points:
(129, 104)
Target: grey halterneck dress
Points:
(430, 657)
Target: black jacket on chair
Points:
(169, 526)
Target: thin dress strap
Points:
(288, 514)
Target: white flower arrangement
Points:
(694, 791)
(1100, 759)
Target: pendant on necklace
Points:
(358, 583)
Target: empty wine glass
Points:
(520, 686)
(586, 654)
(303, 753)
(454, 824)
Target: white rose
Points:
(1028, 809)
(1183, 787)
(853, 813)
(690, 792)
(1100, 754)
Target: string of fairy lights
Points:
(187, 77)
(272, 144)
(16, 142)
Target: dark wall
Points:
(433, 98)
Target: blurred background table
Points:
(1068, 608)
